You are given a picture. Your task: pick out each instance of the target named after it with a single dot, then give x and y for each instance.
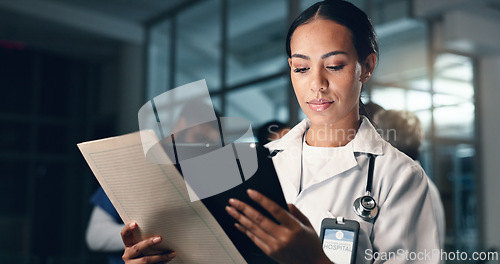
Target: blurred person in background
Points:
(103, 231)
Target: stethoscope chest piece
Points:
(365, 207)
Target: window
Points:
(159, 57)
(198, 42)
(256, 39)
(188, 46)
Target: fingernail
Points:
(172, 255)
(252, 193)
(132, 225)
(230, 210)
(156, 240)
(233, 202)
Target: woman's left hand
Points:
(292, 241)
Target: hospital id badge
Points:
(340, 239)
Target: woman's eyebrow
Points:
(296, 55)
(333, 53)
(324, 56)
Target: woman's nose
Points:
(318, 81)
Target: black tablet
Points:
(264, 180)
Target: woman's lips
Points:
(319, 105)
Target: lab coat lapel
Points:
(287, 161)
(287, 164)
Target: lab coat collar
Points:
(367, 140)
(291, 138)
(287, 161)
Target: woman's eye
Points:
(300, 70)
(335, 68)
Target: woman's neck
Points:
(332, 134)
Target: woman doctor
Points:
(322, 163)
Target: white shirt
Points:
(316, 161)
(405, 223)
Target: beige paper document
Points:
(155, 196)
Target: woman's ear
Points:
(368, 67)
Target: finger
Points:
(252, 218)
(137, 250)
(255, 228)
(163, 258)
(258, 242)
(299, 215)
(128, 234)
(274, 209)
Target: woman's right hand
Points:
(134, 250)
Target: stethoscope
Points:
(364, 206)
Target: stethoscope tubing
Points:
(365, 206)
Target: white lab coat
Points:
(405, 221)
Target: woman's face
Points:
(325, 72)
